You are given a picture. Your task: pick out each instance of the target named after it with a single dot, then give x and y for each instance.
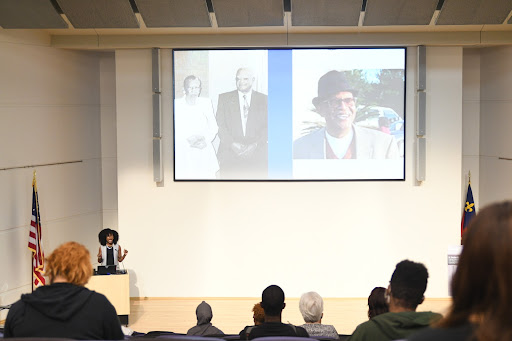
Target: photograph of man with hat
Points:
(340, 138)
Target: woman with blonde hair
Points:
(65, 308)
(482, 284)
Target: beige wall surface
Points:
(232, 239)
(495, 123)
(471, 123)
(49, 113)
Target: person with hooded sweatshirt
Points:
(65, 308)
(204, 327)
(404, 294)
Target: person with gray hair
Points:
(311, 306)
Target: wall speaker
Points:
(157, 160)
(157, 116)
(422, 68)
(155, 57)
(421, 158)
(421, 125)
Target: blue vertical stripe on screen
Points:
(280, 114)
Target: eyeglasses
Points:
(338, 102)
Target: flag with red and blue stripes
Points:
(35, 243)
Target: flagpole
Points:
(34, 186)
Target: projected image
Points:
(220, 123)
(352, 109)
(289, 114)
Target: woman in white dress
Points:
(195, 129)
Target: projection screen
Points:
(289, 114)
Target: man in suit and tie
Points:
(242, 120)
(341, 139)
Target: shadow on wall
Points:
(134, 293)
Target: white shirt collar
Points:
(341, 145)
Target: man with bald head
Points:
(242, 120)
(272, 302)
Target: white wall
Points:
(49, 113)
(108, 140)
(495, 124)
(232, 239)
(471, 124)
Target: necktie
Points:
(246, 107)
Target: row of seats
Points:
(181, 337)
(226, 337)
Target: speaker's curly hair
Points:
(102, 236)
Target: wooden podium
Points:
(117, 289)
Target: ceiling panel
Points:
(248, 13)
(399, 12)
(99, 13)
(474, 12)
(326, 12)
(30, 14)
(174, 13)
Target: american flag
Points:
(35, 243)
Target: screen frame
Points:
(404, 118)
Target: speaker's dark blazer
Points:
(230, 130)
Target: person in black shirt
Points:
(110, 253)
(272, 301)
(65, 308)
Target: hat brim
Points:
(317, 100)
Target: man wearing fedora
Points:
(341, 139)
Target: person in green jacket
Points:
(404, 294)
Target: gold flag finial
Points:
(469, 176)
(34, 179)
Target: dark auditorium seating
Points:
(153, 334)
(38, 339)
(181, 337)
(284, 338)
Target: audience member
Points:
(404, 294)
(258, 314)
(65, 308)
(482, 284)
(272, 301)
(258, 317)
(377, 302)
(311, 306)
(204, 327)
